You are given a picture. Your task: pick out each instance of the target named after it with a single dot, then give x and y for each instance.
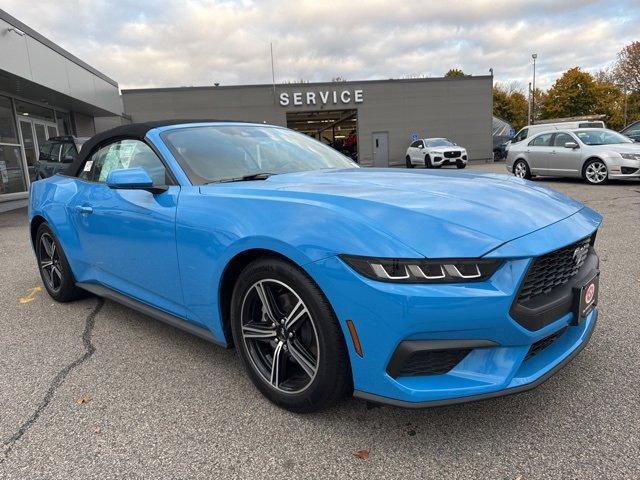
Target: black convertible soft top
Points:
(133, 130)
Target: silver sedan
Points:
(595, 154)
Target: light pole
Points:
(533, 95)
(529, 103)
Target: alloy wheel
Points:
(49, 258)
(280, 336)
(520, 170)
(596, 172)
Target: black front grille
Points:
(432, 362)
(451, 154)
(553, 270)
(540, 345)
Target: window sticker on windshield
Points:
(126, 152)
(87, 166)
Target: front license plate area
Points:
(587, 299)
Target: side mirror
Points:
(570, 145)
(133, 179)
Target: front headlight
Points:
(422, 270)
(630, 156)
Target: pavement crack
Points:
(58, 380)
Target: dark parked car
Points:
(56, 154)
(632, 131)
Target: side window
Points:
(69, 153)
(45, 152)
(562, 138)
(633, 130)
(55, 152)
(415, 144)
(124, 154)
(522, 134)
(420, 144)
(543, 140)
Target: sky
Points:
(156, 43)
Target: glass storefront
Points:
(11, 168)
(22, 132)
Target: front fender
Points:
(212, 229)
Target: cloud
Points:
(147, 43)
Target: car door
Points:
(413, 149)
(419, 152)
(128, 236)
(538, 152)
(563, 160)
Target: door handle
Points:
(84, 209)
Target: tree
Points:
(511, 105)
(572, 95)
(627, 68)
(455, 72)
(609, 101)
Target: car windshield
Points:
(601, 137)
(439, 142)
(219, 153)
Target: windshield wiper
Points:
(245, 178)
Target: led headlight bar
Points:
(422, 270)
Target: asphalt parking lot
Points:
(94, 390)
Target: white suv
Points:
(435, 152)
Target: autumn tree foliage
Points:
(511, 105)
(455, 72)
(627, 68)
(572, 95)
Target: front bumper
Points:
(474, 314)
(621, 169)
(518, 384)
(439, 160)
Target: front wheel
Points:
(521, 170)
(409, 164)
(427, 162)
(288, 337)
(596, 172)
(461, 164)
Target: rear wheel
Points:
(54, 267)
(596, 172)
(409, 164)
(288, 337)
(521, 170)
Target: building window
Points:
(12, 178)
(8, 132)
(35, 111)
(63, 120)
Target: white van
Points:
(530, 130)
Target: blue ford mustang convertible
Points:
(406, 287)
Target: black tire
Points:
(427, 161)
(286, 285)
(56, 276)
(409, 164)
(461, 164)
(595, 172)
(526, 171)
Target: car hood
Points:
(438, 214)
(620, 148)
(445, 149)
